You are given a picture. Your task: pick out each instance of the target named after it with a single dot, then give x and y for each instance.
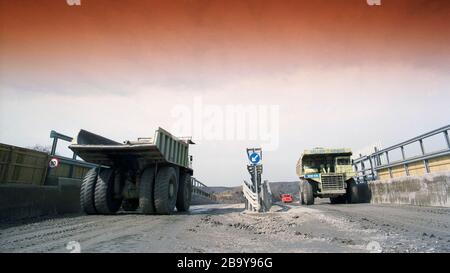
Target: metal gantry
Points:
(72, 163)
(367, 167)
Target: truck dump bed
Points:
(162, 148)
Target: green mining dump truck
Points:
(328, 173)
(150, 175)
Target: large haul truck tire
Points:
(105, 202)
(87, 192)
(364, 192)
(184, 193)
(146, 186)
(166, 189)
(308, 193)
(352, 192)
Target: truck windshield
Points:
(343, 161)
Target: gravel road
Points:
(228, 228)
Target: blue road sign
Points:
(254, 158)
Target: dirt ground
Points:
(228, 228)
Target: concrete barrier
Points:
(425, 190)
(25, 201)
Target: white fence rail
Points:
(261, 202)
(251, 197)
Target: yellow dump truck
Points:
(328, 173)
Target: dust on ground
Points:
(228, 228)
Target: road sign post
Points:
(256, 194)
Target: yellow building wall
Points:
(417, 168)
(383, 174)
(439, 164)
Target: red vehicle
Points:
(286, 198)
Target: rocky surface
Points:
(228, 228)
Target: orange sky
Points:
(219, 36)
